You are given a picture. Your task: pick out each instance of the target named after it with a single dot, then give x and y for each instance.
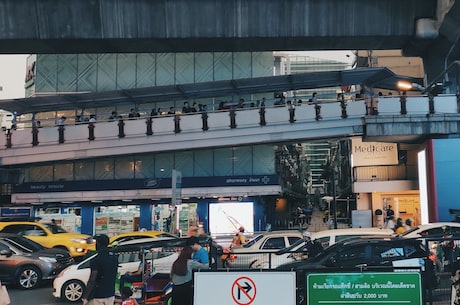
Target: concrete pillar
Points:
(145, 220)
(87, 219)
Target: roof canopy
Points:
(371, 77)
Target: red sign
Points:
(243, 291)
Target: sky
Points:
(13, 70)
(12, 75)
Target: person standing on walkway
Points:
(101, 284)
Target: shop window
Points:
(242, 160)
(41, 173)
(203, 162)
(124, 168)
(63, 172)
(223, 162)
(163, 165)
(184, 161)
(103, 170)
(143, 167)
(263, 157)
(84, 170)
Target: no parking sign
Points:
(244, 288)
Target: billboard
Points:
(373, 153)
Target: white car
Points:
(260, 246)
(326, 238)
(430, 229)
(436, 230)
(71, 282)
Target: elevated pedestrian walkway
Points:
(414, 120)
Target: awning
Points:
(371, 77)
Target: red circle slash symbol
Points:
(243, 291)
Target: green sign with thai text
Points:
(389, 288)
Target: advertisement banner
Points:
(373, 153)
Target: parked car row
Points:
(159, 253)
(367, 253)
(51, 236)
(27, 263)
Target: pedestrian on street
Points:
(181, 277)
(101, 284)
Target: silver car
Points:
(26, 263)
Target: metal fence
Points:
(444, 252)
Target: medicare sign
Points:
(364, 288)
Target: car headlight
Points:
(48, 259)
(79, 240)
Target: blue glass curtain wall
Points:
(249, 160)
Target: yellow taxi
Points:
(51, 236)
(114, 240)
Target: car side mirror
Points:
(6, 252)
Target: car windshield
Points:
(292, 247)
(24, 244)
(252, 241)
(409, 231)
(55, 228)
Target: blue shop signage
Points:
(131, 184)
(15, 212)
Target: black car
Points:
(364, 254)
(26, 263)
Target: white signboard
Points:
(361, 218)
(373, 153)
(244, 288)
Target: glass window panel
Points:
(123, 110)
(69, 114)
(204, 163)
(46, 118)
(41, 173)
(147, 108)
(63, 172)
(84, 170)
(184, 163)
(242, 160)
(124, 168)
(103, 170)
(223, 162)
(144, 167)
(263, 160)
(163, 165)
(26, 174)
(104, 113)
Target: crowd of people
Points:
(280, 101)
(399, 225)
(101, 285)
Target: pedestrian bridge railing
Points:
(246, 126)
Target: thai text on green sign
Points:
(364, 288)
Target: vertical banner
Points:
(176, 198)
